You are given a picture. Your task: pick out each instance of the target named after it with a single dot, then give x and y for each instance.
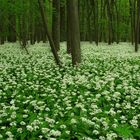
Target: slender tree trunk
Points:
(96, 23)
(56, 24)
(132, 22)
(62, 22)
(44, 18)
(101, 22)
(110, 26)
(31, 23)
(117, 22)
(105, 36)
(83, 19)
(12, 22)
(137, 34)
(2, 38)
(74, 31)
(90, 16)
(68, 29)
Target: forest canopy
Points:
(100, 20)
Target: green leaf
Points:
(137, 132)
(124, 131)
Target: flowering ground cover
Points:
(99, 100)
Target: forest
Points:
(69, 70)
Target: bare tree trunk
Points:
(74, 31)
(137, 26)
(68, 30)
(110, 26)
(117, 22)
(56, 24)
(62, 22)
(132, 22)
(44, 18)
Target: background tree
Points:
(45, 22)
(99, 21)
(137, 28)
(56, 24)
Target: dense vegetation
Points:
(95, 18)
(98, 100)
(65, 73)
(102, 20)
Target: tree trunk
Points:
(132, 22)
(110, 26)
(62, 22)
(74, 31)
(56, 24)
(68, 30)
(44, 18)
(137, 26)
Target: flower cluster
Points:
(100, 99)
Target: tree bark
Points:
(68, 30)
(56, 24)
(74, 31)
(45, 22)
(62, 22)
(137, 26)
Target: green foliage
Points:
(97, 100)
(28, 10)
(124, 131)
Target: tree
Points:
(99, 20)
(56, 24)
(68, 30)
(62, 20)
(44, 19)
(137, 29)
(74, 34)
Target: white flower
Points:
(117, 105)
(12, 101)
(3, 127)
(67, 132)
(40, 136)
(63, 126)
(128, 106)
(95, 132)
(112, 112)
(49, 120)
(9, 134)
(19, 130)
(73, 121)
(22, 123)
(47, 109)
(134, 123)
(13, 123)
(52, 139)
(13, 116)
(45, 130)
(123, 118)
(94, 106)
(55, 133)
(25, 116)
(10, 138)
(117, 94)
(114, 125)
(29, 128)
(87, 138)
(111, 136)
(101, 138)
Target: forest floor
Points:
(100, 99)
